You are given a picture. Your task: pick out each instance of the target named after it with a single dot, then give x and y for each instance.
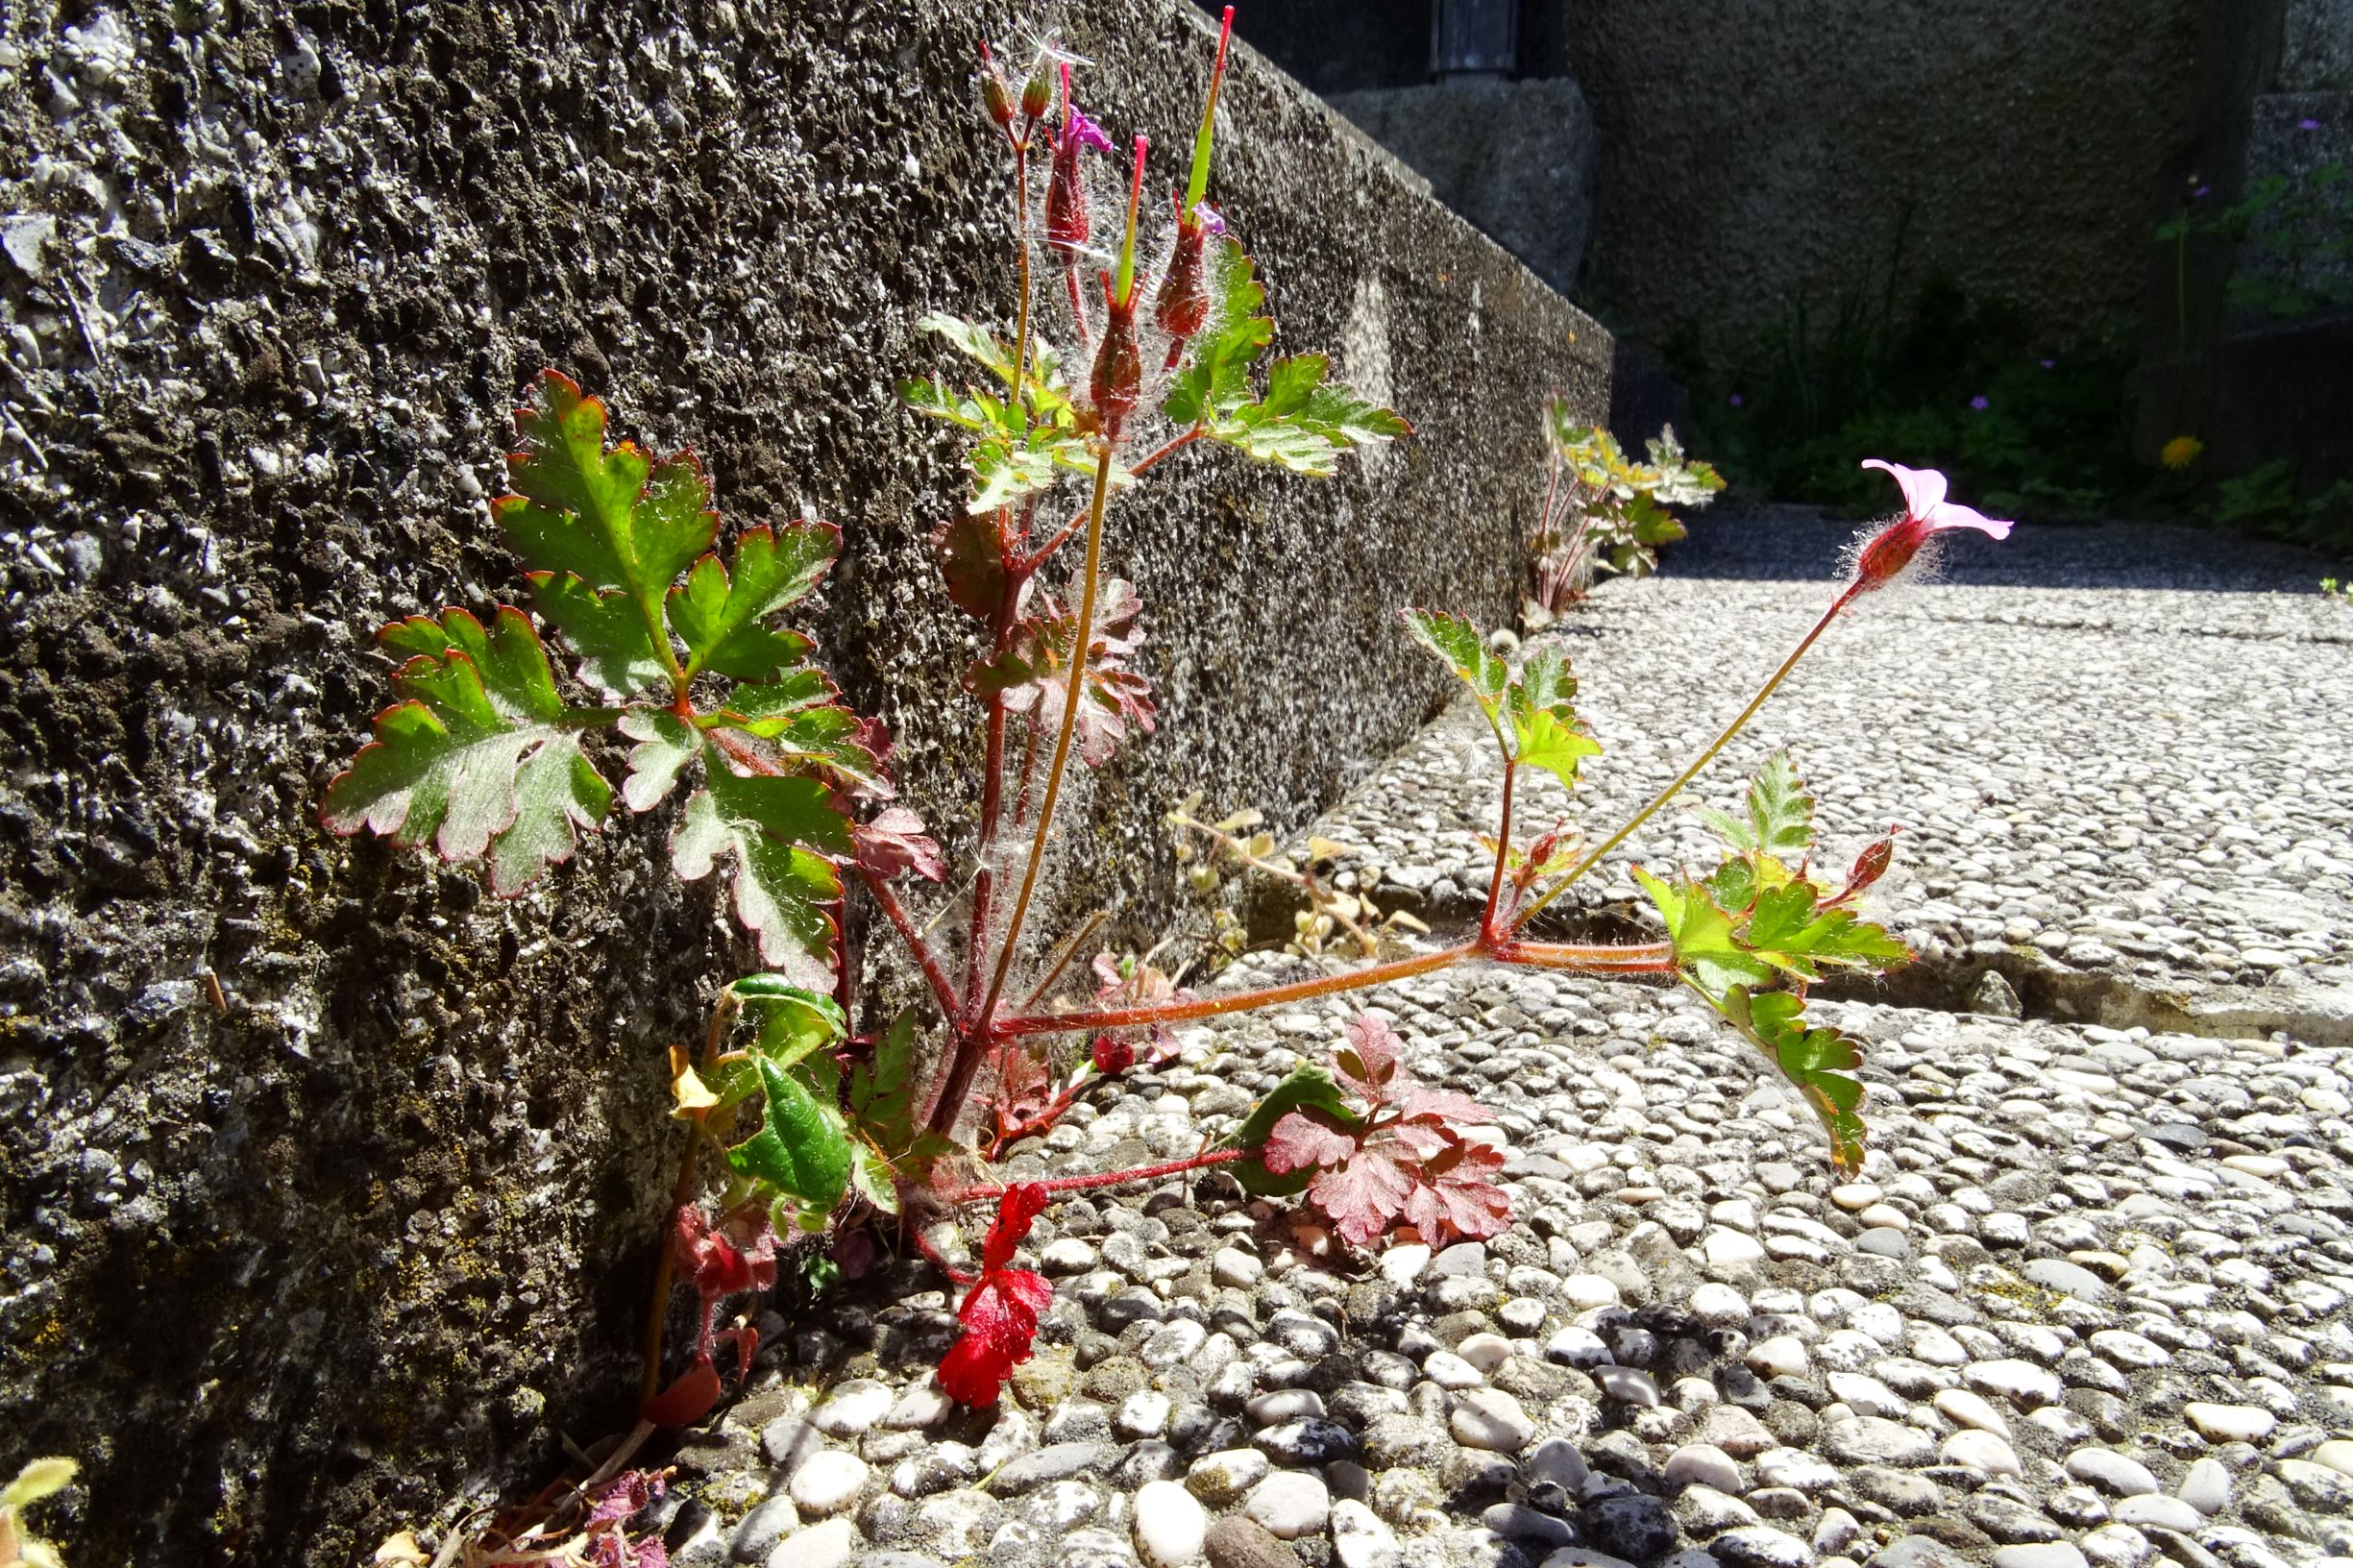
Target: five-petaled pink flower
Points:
(1926, 513)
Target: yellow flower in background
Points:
(2180, 452)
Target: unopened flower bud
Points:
(1117, 378)
(1068, 223)
(996, 95)
(1036, 96)
(1182, 307)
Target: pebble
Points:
(2022, 1383)
(2230, 1423)
(1490, 1419)
(1760, 1546)
(2041, 1555)
(2163, 1513)
(1982, 1451)
(828, 1482)
(2111, 1472)
(829, 1545)
(1290, 1503)
(1170, 1526)
(2206, 1486)
(1784, 1356)
(1871, 1439)
(1703, 1464)
(1359, 1539)
(1222, 1477)
(1961, 1406)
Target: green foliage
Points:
(2270, 500)
(2293, 234)
(1531, 713)
(1302, 422)
(1757, 922)
(484, 756)
(1306, 1088)
(2043, 430)
(1605, 512)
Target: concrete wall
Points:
(279, 1272)
(1759, 153)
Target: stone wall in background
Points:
(1757, 155)
(374, 1219)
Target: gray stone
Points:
(1632, 1526)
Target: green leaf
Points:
(778, 832)
(972, 410)
(1788, 930)
(882, 1087)
(475, 758)
(1703, 936)
(1286, 443)
(1214, 377)
(1307, 1087)
(1539, 740)
(790, 1020)
(718, 613)
(869, 1172)
(612, 517)
(1818, 1061)
(1780, 812)
(1464, 649)
(604, 628)
(803, 729)
(1009, 468)
(802, 1148)
(1546, 682)
(665, 745)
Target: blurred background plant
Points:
(1603, 513)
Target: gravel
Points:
(2117, 1329)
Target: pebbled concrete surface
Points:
(269, 280)
(2128, 800)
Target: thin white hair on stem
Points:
(1924, 570)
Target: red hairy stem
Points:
(1080, 323)
(1075, 692)
(931, 1254)
(990, 1192)
(1175, 445)
(1642, 958)
(1241, 1001)
(1489, 932)
(943, 987)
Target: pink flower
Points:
(1926, 513)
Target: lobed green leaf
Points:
(719, 613)
(1465, 650)
(1307, 1087)
(802, 1149)
(777, 831)
(1818, 1061)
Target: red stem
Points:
(941, 986)
(990, 1192)
(1178, 444)
(1489, 931)
(1242, 1001)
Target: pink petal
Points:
(1924, 488)
(1951, 514)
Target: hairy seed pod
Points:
(1182, 308)
(1117, 378)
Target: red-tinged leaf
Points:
(1414, 1103)
(1298, 1142)
(1363, 1195)
(976, 558)
(478, 758)
(686, 1401)
(1371, 1057)
(1452, 1198)
(1868, 866)
(1000, 1313)
(1015, 1212)
(1113, 1055)
(1032, 672)
(611, 516)
(894, 842)
(721, 612)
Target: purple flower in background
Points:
(2308, 125)
(2049, 365)
(2203, 190)
(1979, 403)
(1733, 400)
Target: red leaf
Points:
(686, 1401)
(1113, 1055)
(1370, 1058)
(1000, 1311)
(976, 559)
(1363, 1195)
(1015, 1212)
(894, 842)
(1451, 1197)
(1868, 866)
(1418, 1104)
(1297, 1144)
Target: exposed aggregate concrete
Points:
(2086, 1306)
